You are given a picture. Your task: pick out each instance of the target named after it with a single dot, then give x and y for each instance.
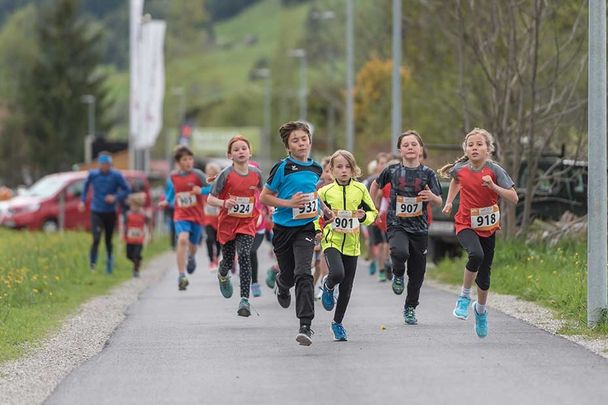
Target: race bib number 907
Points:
(486, 218)
(309, 210)
(407, 207)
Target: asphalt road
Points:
(191, 348)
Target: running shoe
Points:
(182, 282)
(109, 265)
(481, 322)
(461, 310)
(372, 268)
(339, 332)
(271, 276)
(381, 276)
(409, 316)
(191, 265)
(256, 291)
(327, 299)
(388, 268)
(398, 285)
(225, 285)
(304, 336)
(244, 308)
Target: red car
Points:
(40, 206)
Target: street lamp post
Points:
(350, 77)
(179, 92)
(89, 99)
(396, 82)
(303, 92)
(265, 142)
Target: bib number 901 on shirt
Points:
(345, 222)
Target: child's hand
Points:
(299, 200)
(196, 190)
(426, 194)
(447, 209)
(359, 214)
(163, 204)
(486, 181)
(329, 215)
(230, 202)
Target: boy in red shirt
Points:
(135, 230)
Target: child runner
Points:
(184, 191)
(481, 182)
(352, 206)
(260, 232)
(135, 230)
(235, 191)
(377, 230)
(413, 187)
(211, 213)
(320, 265)
(292, 188)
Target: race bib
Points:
(345, 222)
(309, 210)
(407, 207)
(185, 199)
(211, 211)
(243, 207)
(135, 233)
(486, 218)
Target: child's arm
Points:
(428, 196)
(508, 194)
(369, 210)
(217, 202)
(375, 193)
(267, 197)
(452, 193)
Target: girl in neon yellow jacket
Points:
(350, 205)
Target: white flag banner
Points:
(151, 83)
(135, 17)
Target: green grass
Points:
(554, 277)
(44, 278)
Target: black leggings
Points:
(257, 242)
(102, 222)
(342, 270)
(411, 249)
(213, 246)
(481, 255)
(240, 245)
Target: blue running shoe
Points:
(327, 299)
(372, 268)
(191, 265)
(398, 285)
(256, 291)
(244, 308)
(271, 276)
(339, 332)
(461, 311)
(109, 265)
(481, 322)
(225, 285)
(409, 316)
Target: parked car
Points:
(40, 207)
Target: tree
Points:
(66, 68)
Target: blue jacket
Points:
(111, 182)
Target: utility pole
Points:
(396, 82)
(303, 92)
(596, 188)
(89, 99)
(350, 77)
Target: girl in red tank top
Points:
(236, 190)
(481, 184)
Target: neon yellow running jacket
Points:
(343, 233)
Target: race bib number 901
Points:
(243, 207)
(309, 210)
(407, 207)
(185, 199)
(345, 222)
(486, 218)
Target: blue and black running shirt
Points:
(288, 177)
(405, 210)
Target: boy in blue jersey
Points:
(292, 189)
(109, 187)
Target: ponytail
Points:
(445, 170)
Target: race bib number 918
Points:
(486, 218)
(309, 210)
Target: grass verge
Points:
(554, 277)
(44, 278)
